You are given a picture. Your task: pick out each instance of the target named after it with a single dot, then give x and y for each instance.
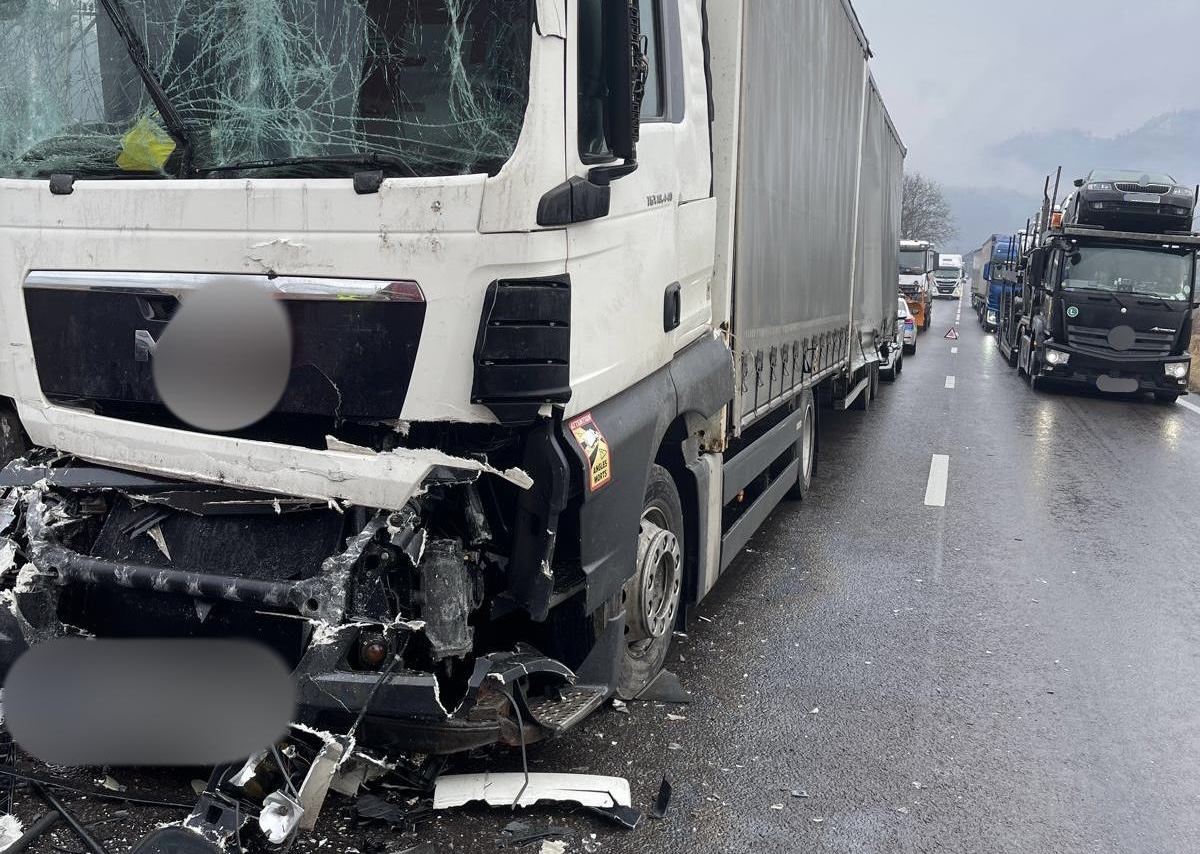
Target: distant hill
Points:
(1167, 143)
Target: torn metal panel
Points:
(516, 789)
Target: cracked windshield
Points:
(279, 88)
(599, 427)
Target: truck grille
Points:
(1130, 187)
(1093, 340)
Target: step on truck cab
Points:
(918, 260)
(450, 350)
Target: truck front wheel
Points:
(651, 597)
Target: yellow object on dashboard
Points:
(145, 148)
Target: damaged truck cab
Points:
(479, 461)
(565, 285)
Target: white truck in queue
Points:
(560, 320)
(949, 276)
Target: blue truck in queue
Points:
(986, 287)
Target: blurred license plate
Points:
(1150, 198)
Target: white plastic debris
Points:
(280, 816)
(10, 830)
(553, 846)
(589, 790)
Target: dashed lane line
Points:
(953, 349)
(1188, 405)
(939, 473)
(950, 381)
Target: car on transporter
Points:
(1130, 200)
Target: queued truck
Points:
(986, 285)
(948, 278)
(918, 260)
(1107, 307)
(454, 385)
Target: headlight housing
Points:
(1181, 191)
(991, 317)
(1100, 185)
(1176, 370)
(1056, 357)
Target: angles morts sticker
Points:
(595, 448)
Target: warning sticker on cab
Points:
(595, 447)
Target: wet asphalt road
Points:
(1017, 671)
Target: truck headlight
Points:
(991, 317)
(1099, 186)
(1176, 370)
(1056, 357)
(1181, 191)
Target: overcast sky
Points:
(961, 75)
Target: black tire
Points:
(648, 637)
(13, 441)
(806, 447)
(1167, 397)
(890, 374)
(900, 364)
(910, 349)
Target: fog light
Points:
(1098, 206)
(372, 650)
(991, 317)
(1176, 370)
(1057, 357)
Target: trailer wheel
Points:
(651, 597)
(806, 448)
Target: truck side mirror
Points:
(1078, 182)
(625, 70)
(1037, 266)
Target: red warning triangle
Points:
(952, 334)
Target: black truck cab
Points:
(1108, 310)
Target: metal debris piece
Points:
(799, 793)
(665, 688)
(374, 808)
(89, 842)
(10, 830)
(627, 817)
(588, 790)
(518, 833)
(659, 811)
(316, 783)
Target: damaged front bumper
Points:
(380, 633)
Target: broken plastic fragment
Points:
(511, 789)
(280, 817)
(10, 830)
(145, 148)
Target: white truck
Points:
(561, 317)
(948, 277)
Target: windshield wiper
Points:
(137, 55)
(373, 159)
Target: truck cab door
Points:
(632, 287)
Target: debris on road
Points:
(553, 847)
(518, 833)
(521, 790)
(799, 793)
(659, 810)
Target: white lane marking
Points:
(939, 472)
(950, 382)
(953, 349)
(1186, 405)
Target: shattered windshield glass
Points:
(279, 88)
